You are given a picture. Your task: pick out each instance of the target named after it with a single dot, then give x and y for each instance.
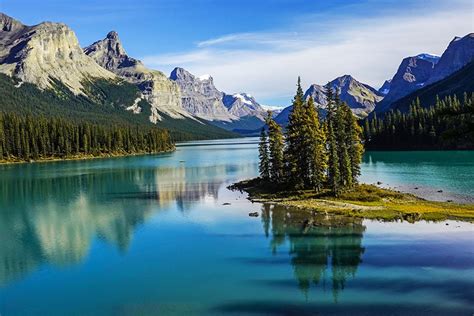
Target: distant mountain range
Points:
(49, 58)
(418, 72)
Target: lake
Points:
(161, 234)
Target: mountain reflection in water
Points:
(55, 219)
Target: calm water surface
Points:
(150, 235)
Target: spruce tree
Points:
(342, 137)
(263, 155)
(333, 158)
(354, 144)
(295, 134)
(315, 144)
(276, 147)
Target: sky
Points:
(261, 46)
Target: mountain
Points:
(234, 112)
(200, 97)
(162, 93)
(318, 94)
(46, 53)
(44, 71)
(422, 70)
(243, 104)
(360, 97)
(459, 53)
(412, 74)
(385, 88)
(457, 84)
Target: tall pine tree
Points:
(264, 156)
(276, 147)
(333, 157)
(295, 134)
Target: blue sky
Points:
(260, 47)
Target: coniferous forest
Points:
(448, 124)
(314, 153)
(27, 137)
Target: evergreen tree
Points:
(263, 155)
(315, 146)
(295, 134)
(276, 147)
(354, 143)
(333, 158)
(343, 143)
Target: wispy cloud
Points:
(266, 64)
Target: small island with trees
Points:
(315, 164)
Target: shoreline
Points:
(85, 157)
(364, 201)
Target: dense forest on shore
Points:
(27, 137)
(104, 105)
(448, 124)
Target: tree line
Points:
(448, 124)
(27, 137)
(314, 153)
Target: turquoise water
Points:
(150, 235)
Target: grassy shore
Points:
(14, 160)
(363, 201)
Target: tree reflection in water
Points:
(324, 250)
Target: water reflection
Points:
(55, 218)
(325, 251)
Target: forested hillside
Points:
(105, 107)
(456, 84)
(448, 124)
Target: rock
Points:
(199, 96)
(411, 75)
(226, 203)
(379, 183)
(37, 54)
(242, 105)
(447, 224)
(416, 188)
(459, 53)
(163, 94)
(440, 191)
(253, 214)
(449, 201)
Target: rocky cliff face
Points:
(412, 74)
(243, 104)
(162, 93)
(200, 97)
(360, 97)
(44, 53)
(458, 54)
(316, 92)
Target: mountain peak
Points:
(181, 73)
(8, 23)
(112, 35)
(109, 53)
(428, 57)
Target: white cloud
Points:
(266, 64)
